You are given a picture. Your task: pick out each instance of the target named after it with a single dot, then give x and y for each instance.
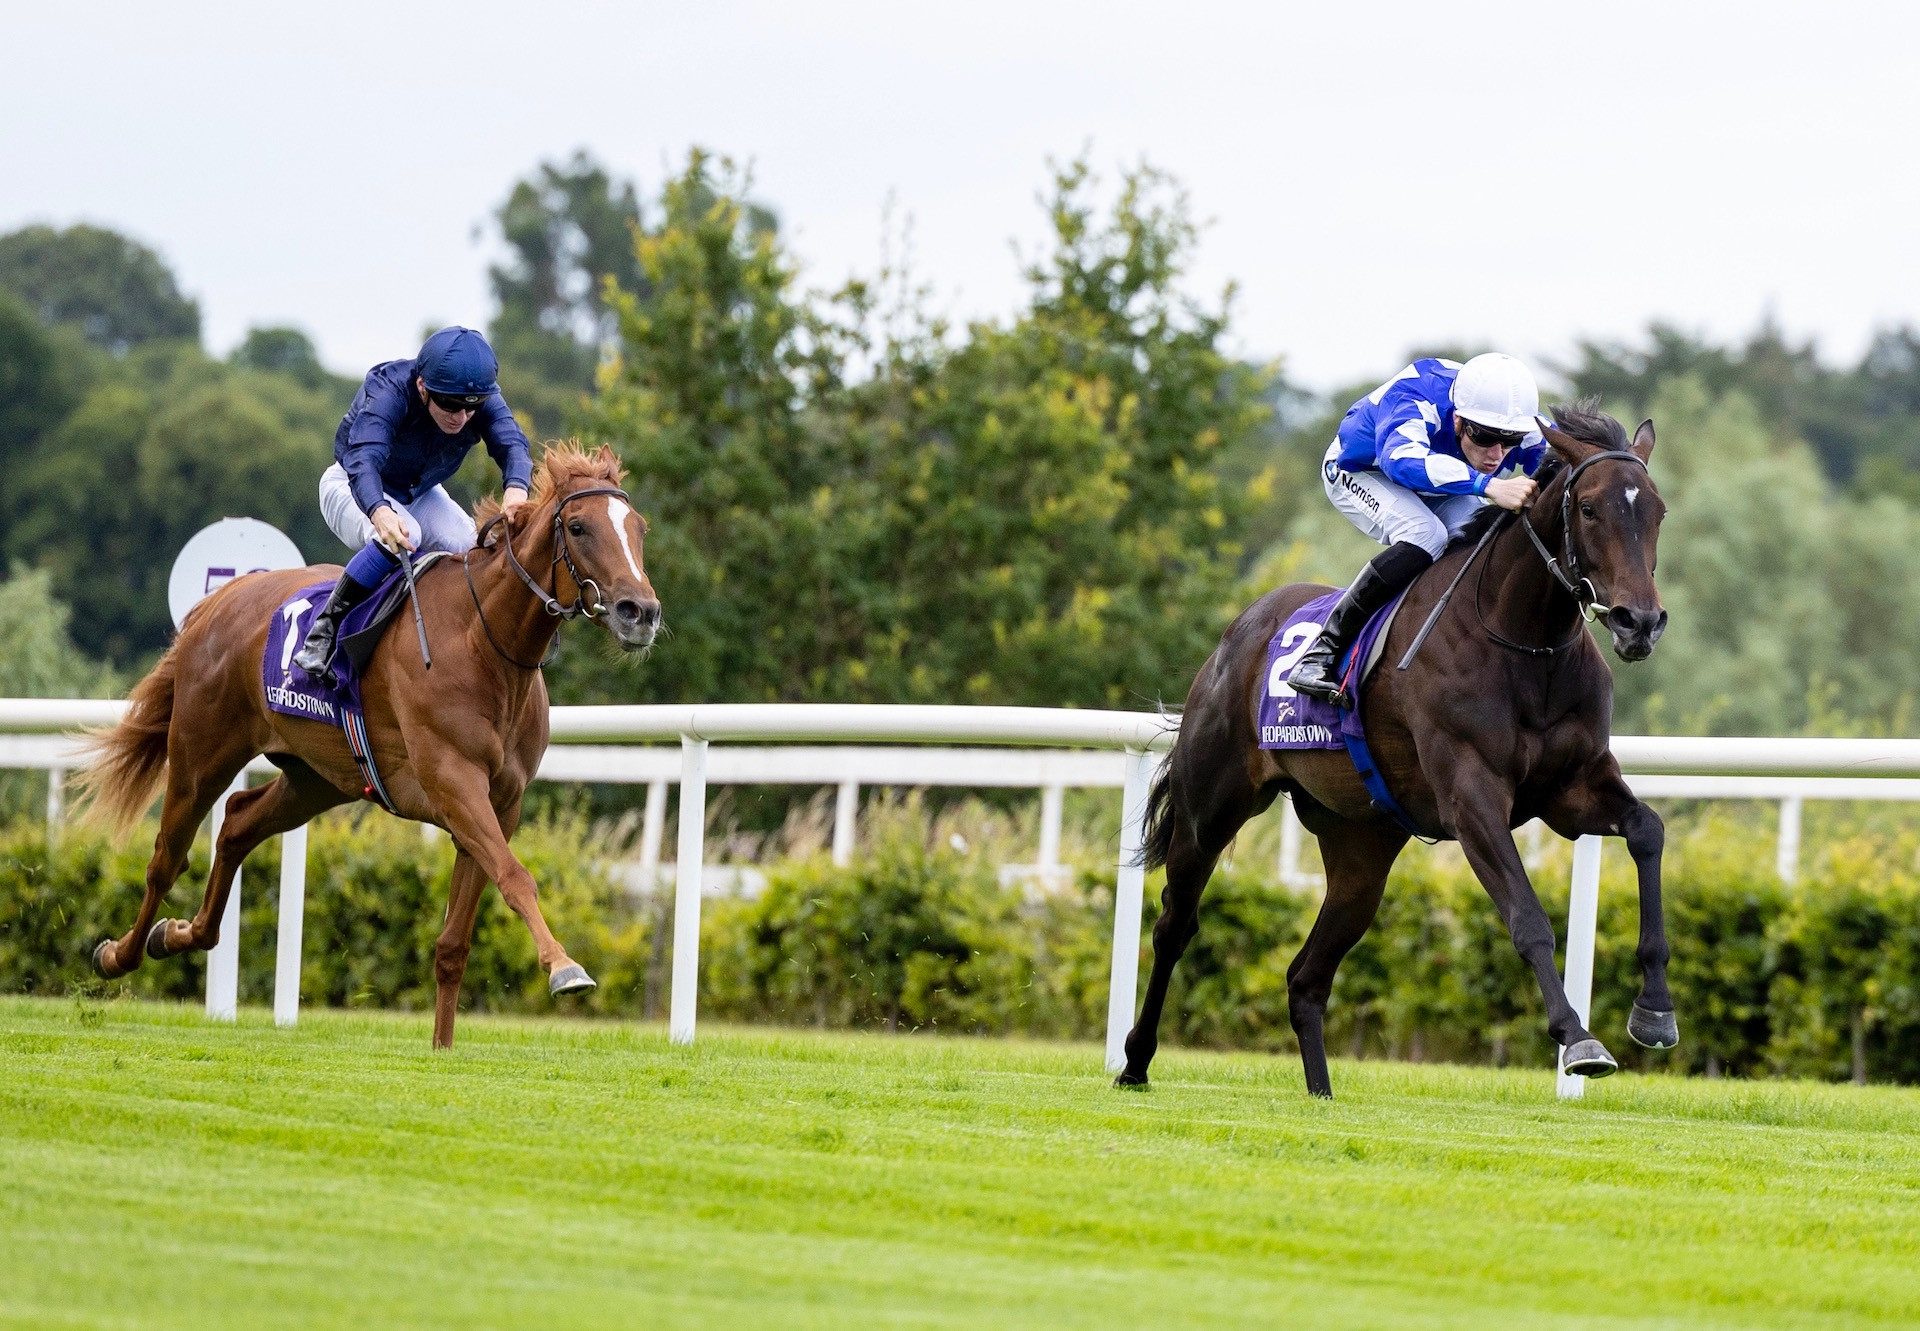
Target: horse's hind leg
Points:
(455, 943)
(1358, 857)
(190, 794)
(253, 815)
(1225, 802)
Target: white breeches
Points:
(1390, 513)
(434, 521)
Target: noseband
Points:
(1580, 587)
(587, 599)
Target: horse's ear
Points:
(606, 457)
(1643, 441)
(1571, 450)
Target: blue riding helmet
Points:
(458, 362)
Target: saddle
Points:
(335, 696)
(1285, 719)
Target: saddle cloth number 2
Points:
(1293, 645)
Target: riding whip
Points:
(1441, 604)
(413, 595)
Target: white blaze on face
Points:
(617, 511)
(1633, 493)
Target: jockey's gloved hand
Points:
(389, 530)
(1512, 492)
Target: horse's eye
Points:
(1586, 511)
(577, 528)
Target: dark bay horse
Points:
(1504, 715)
(456, 746)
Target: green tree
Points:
(38, 658)
(289, 352)
(1790, 602)
(118, 292)
(40, 383)
(846, 512)
(1862, 422)
(1056, 527)
(139, 467)
(570, 230)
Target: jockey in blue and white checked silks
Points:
(1413, 460)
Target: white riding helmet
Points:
(1497, 391)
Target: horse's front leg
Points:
(1478, 808)
(461, 792)
(1599, 803)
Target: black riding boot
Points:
(1386, 574)
(317, 651)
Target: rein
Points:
(1577, 585)
(549, 600)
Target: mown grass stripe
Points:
(170, 1172)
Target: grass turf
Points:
(161, 1170)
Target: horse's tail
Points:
(1156, 840)
(127, 763)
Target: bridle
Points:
(1579, 586)
(587, 598)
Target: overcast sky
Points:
(1375, 176)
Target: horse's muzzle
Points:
(1635, 631)
(634, 622)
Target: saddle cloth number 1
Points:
(291, 612)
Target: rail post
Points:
(1052, 812)
(1583, 908)
(293, 916)
(1129, 888)
(653, 829)
(223, 962)
(846, 807)
(1786, 854)
(687, 868)
(56, 791)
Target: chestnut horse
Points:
(455, 747)
(1503, 715)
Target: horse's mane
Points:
(1586, 422)
(563, 462)
(1583, 420)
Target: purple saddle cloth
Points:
(290, 690)
(335, 696)
(1289, 720)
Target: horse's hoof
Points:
(100, 960)
(157, 941)
(1130, 1081)
(1652, 1029)
(1588, 1058)
(570, 980)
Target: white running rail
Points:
(37, 733)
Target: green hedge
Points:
(1818, 980)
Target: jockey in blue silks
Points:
(1413, 460)
(409, 428)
